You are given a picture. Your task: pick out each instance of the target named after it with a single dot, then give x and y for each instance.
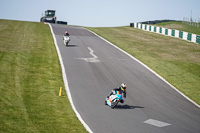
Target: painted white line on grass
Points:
(156, 123)
(66, 83)
(147, 68)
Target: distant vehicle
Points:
(49, 16)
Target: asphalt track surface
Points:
(93, 67)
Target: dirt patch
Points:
(173, 26)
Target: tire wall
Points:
(168, 32)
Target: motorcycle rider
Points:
(66, 35)
(120, 90)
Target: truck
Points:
(49, 16)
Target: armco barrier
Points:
(168, 32)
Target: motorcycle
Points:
(66, 40)
(113, 100)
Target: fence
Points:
(191, 22)
(168, 32)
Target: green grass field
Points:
(176, 60)
(30, 78)
(30, 73)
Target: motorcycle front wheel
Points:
(114, 104)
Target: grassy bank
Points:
(30, 78)
(176, 60)
(180, 26)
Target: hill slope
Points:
(30, 78)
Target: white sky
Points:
(100, 13)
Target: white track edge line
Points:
(147, 68)
(66, 83)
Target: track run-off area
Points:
(93, 67)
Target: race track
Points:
(93, 67)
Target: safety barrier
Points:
(168, 32)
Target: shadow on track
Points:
(127, 107)
(71, 46)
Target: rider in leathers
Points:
(67, 35)
(120, 90)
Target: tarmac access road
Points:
(94, 67)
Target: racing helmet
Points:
(123, 87)
(66, 32)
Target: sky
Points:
(101, 13)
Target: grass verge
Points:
(30, 78)
(176, 60)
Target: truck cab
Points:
(49, 16)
